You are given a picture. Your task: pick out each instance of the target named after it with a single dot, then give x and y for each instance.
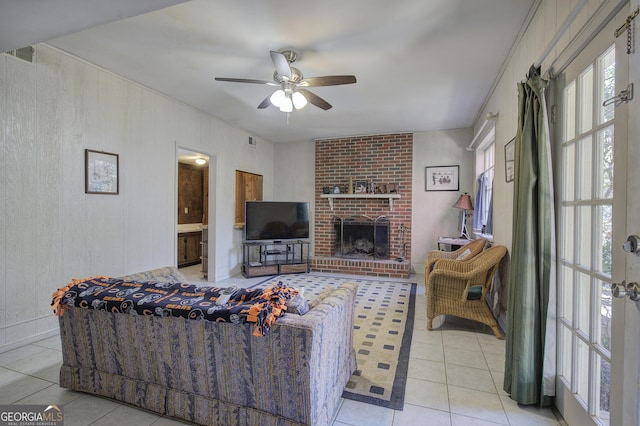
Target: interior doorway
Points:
(192, 215)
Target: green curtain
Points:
(530, 348)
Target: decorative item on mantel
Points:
(361, 187)
(350, 187)
(464, 203)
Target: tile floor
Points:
(455, 379)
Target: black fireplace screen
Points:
(361, 237)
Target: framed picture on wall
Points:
(509, 160)
(442, 178)
(101, 172)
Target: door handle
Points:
(623, 289)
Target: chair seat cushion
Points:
(475, 292)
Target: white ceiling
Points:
(420, 64)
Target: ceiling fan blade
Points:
(246, 80)
(316, 100)
(266, 103)
(281, 64)
(329, 80)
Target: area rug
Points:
(383, 326)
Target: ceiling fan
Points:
(292, 84)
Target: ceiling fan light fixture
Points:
(299, 100)
(277, 98)
(287, 105)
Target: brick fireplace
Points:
(381, 160)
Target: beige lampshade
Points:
(464, 202)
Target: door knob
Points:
(619, 290)
(623, 289)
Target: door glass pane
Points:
(607, 84)
(566, 277)
(605, 160)
(582, 371)
(569, 172)
(570, 111)
(565, 350)
(604, 389)
(585, 166)
(604, 234)
(566, 242)
(584, 229)
(605, 315)
(586, 108)
(583, 293)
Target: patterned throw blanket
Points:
(258, 306)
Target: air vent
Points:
(24, 53)
(252, 141)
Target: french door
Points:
(597, 375)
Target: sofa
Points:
(209, 372)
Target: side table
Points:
(452, 243)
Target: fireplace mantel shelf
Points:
(390, 197)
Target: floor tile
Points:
(427, 370)
(360, 414)
(526, 415)
(458, 420)
(168, 421)
(427, 394)
(50, 342)
(476, 404)
(87, 409)
(35, 363)
(457, 340)
(495, 362)
(427, 351)
(471, 378)
(498, 380)
(18, 354)
(414, 415)
(51, 395)
(16, 386)
(466, 358)
(124, 415)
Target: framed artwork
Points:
(509, 160)
(100, 172)
(361, 187)
(443, 178)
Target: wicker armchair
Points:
(474, 247)
(459, 288)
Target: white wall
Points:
(433, 215)
(51, 231)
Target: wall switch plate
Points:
(186, 210)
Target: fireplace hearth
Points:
(361, 237)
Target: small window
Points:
(483, 212)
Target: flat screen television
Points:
(276, 220)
